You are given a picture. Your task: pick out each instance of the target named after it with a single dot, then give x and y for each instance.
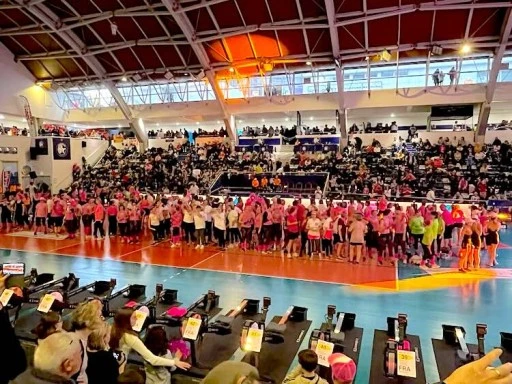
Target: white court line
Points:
(202, 261)
(141, 249)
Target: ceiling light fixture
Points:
(124, 78)
(232, 70)
(466, 48)
(392, 115)
(308, 63)
(114, 28)
(311, 118)
(137, 77)
(2, 117)
(287, 119)
(168, 75)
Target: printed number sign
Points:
(46, 303)
(407, 364)
(140, 318)
(192, 328)
(6, 296)
(324, 349)
(254, 340)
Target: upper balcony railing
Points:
(363, 78)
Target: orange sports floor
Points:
(233, 260)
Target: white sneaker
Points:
(198, 246)
(201, 246)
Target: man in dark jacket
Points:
(12, 357)
(57, 359)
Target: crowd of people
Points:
(448, 169)
(186, 134)
(286, 132)
(352, 231)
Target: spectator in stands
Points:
(57, 359)
(232, 372)
(49, 324)
(12, 357)
(305, 372)
(124, 339)
(102, 366)
(343, 368)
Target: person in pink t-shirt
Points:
(112, 218)
(41, 212)
(176, 221)
(122, 222)
(99, 216)
(447, 217)
(399, 228)
(57, 215)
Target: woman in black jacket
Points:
(103, 366)
(12, 357)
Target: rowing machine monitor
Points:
(397, 333)
(481, 331)
(159, 289)
(506, 341)
(210, 300)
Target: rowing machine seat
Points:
(276, 328)
(221, 326)
(176, 312)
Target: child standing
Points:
(156, 342)
(176, 222)
(327, 235)
(200, 225)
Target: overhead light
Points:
(118, 125)
(103, 127)
(385, 55)
(168, 75)
(124, 78)
(232, 70)
(262, 120)
(437, 50)
(240, 121)
(157, 124)
(268, 67)
(308, 63)
(2, 117)
(24, 120)
(287, 119)
(466, 48)
(137, 77)
(218, 122)
(114, 28)
(200, 75)
(392, 115)
(185, 74)
(311, 118)
(177, 123)
(197, 122)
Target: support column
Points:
(230, 124)
(138, 126)
(483, 119)
(342, 124)
(34, 128)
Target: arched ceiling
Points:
(240, 34)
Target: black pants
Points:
(233, 235)
(208, 230)
(112, 225)
(327, 246)
(427, 255)
(417, 239)
(98, 226)
(155, 230)
(189, 232)
(220, 235)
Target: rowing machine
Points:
(256, 324)
(397, 333)
(334, 329)
(222, 324)
(274, 333)
(132, 291)
(201, 307)
(456, 336)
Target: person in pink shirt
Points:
(122, 222)
(41, 212)
(99, 217)
(246, 224)
(399, 228)
(385, 237)
(112, 218)
(447, 217)
(176, 222)
(135, 223)
(293, 231)
(57, 215)
(357, 231)
(88, 217)
(382, 204)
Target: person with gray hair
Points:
(56, 360)
(232, 372)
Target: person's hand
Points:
(182, 365)
(478, 372)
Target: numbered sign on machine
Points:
(140, 318)
(6, 296)
(324, 349)
(406, 364)
(192, 328)
(46, 303)
(253, 340)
